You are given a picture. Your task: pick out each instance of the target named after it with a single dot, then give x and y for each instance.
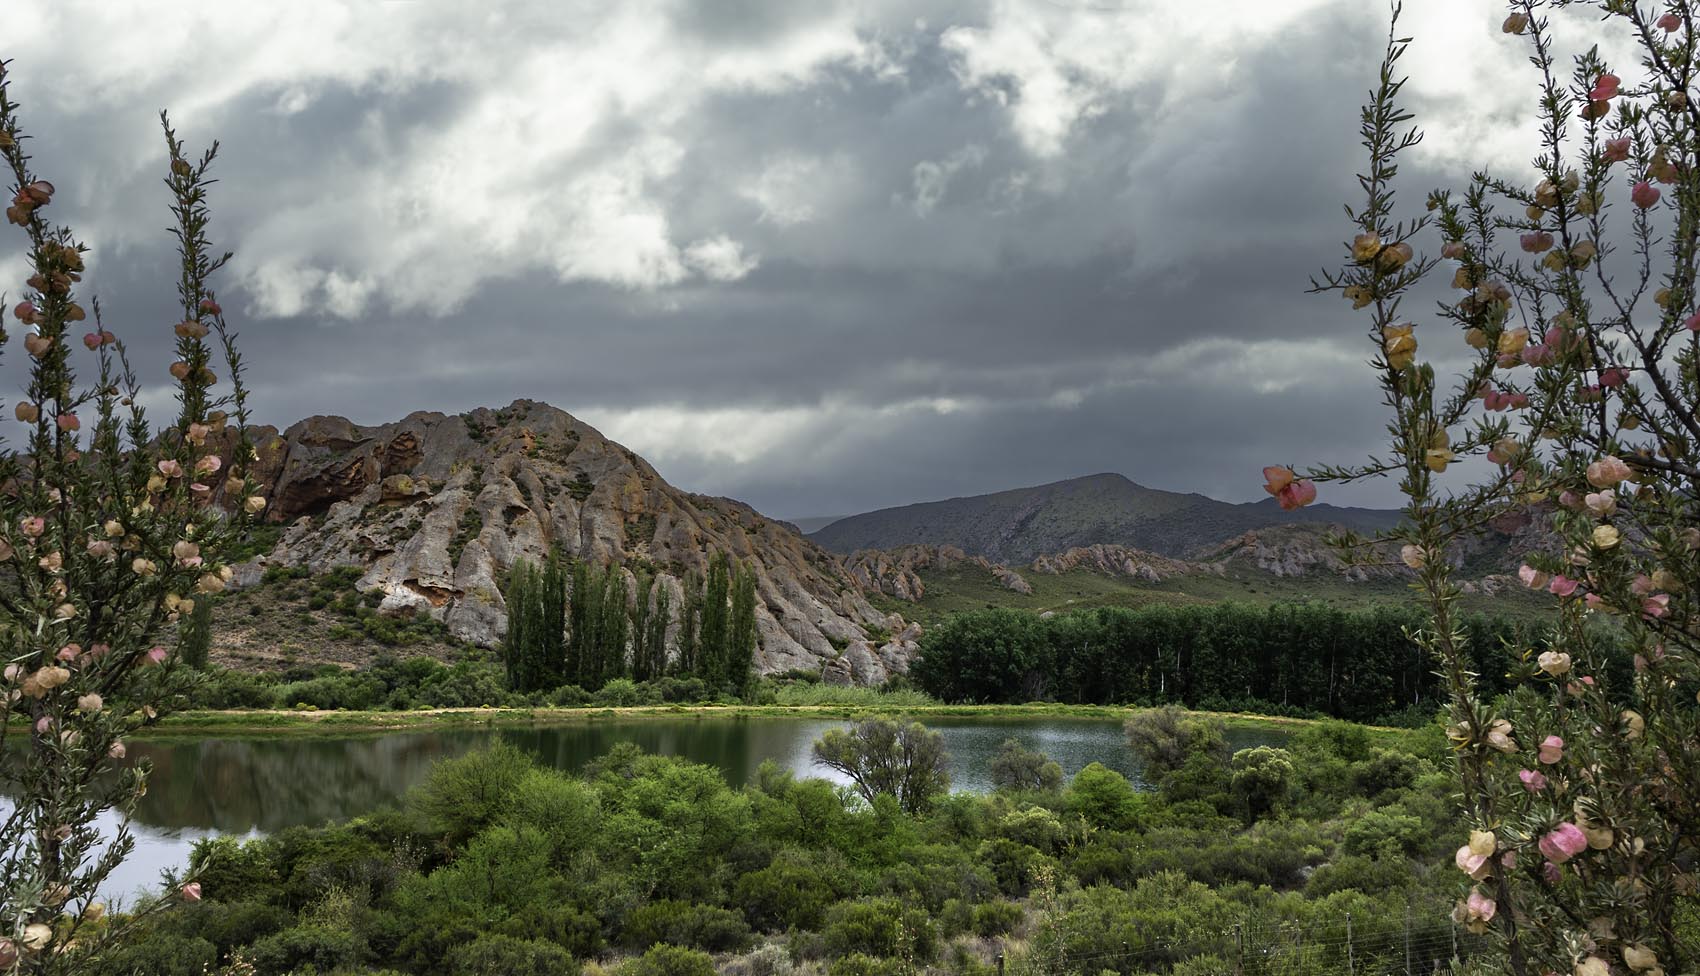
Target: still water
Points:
(251, 786)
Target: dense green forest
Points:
(1283, 658)
(1328, 854)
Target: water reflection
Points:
(202, 786)
(235, 785)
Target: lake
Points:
(204, 786)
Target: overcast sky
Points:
(820, 256)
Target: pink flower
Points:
(1613, 376)
(68, 422)
(1562, 586)
(92, 341)
(1692, 323)
(69, 652)
(1669, 22)
(1605, 89)
(26, 312)
(1533, 780)
(210, 307)
(209, 464)
(1536, 355)
(1471, 863)
(1297, 495)
(1481, 906)
(170, 468)
(156, 655)
(192, 891)
(1563, 843)
(1551, 750)
(1554, 874)
(1276, 478)
(1531, 577)
(1657, 605)
(1644, 194)
(43, 724)
(1616, 151)
(1608, 471)
(33, 526)
(1536, 241)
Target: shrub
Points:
(624, 692)
(1019, 768)
(684, 924)
(879, 927)
(502, 955)
(906, 762)
(306, 947)
(666, 960)
(466, 794)
(1104, 797)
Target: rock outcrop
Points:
(435, 509)
(897, 572)
(1114, 560)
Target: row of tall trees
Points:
(597, 629)
(1356, 664)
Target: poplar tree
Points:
(641, 608)
(741, 640)
(716, 621)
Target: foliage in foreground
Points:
(649, 865)
(110, 530)
(1581, 388)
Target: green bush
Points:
(666, 960)
(684, 924)
(881, 927)
(624, 693)
(502, 955)
(306, 947)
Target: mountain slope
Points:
(1018, 526)
(434, 509)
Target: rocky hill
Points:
(1019, 526)
(433, 510)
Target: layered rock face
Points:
(436, 508)
(897, 572)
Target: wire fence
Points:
(1378, 946)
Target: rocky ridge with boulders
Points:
(435, 509)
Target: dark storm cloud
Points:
(823, 258)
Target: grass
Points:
(970, 588)
(818, 694)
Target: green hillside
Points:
(968, 587)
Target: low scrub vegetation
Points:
(643, 864)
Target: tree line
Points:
(1302, 657)
(570, 623)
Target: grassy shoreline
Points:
(195, 724)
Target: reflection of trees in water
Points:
(237, 785)
(240, 785)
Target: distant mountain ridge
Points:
(1018, 526)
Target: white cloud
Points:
(720, 259)
(1054, 65)
(514, 171)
